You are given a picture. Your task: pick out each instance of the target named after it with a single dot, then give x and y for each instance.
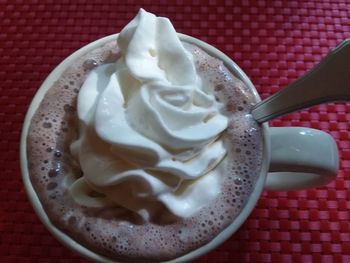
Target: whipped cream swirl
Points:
(150, 127)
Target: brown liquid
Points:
(115, 232)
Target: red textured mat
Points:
(273, 41)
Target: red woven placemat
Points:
(273, 41)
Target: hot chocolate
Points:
(159, 228)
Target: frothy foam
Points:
(114, 231)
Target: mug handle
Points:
(301, 158)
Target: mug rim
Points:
(68, 241)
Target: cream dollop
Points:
(149, 128)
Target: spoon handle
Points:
(327, 81)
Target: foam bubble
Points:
(89, 64)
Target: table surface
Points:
(274, 42)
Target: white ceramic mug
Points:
(293, 158)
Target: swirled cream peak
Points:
(150, 127)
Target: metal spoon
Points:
(327, 81)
